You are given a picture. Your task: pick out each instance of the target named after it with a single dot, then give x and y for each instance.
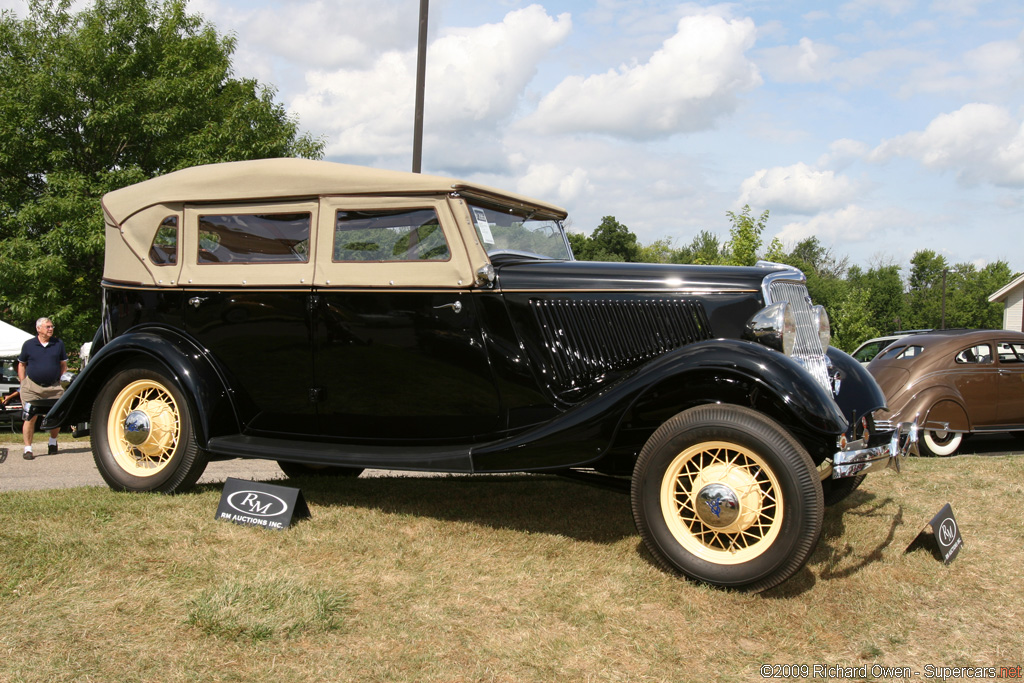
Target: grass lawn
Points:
(517, 578)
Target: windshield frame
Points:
(530, 219)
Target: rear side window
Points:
(902, 352)
(254, 238)
(1010, 353)
(976, 355)
(406, 235)
(164, 250)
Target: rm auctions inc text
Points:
(882, 672)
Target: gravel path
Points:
(74, 466)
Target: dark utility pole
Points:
(421, 77)
(944, 271)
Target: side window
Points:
(1010, 353)
(164, 250)
(975, 355)
(405, 235)
(254, 238)
(902, 353)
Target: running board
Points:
(346, 455)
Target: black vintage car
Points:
(335, 318)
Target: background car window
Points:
(405, 235)
(902, 352)
(1010, 353)
(254, 238)
(975, 355)
(164, 250)
(868, 351)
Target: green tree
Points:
(925, 290)
(93, 101)
(744, 237)
(610, 241)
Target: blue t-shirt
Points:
(43, 362)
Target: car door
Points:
(247, 276)
(976, 377)
(1011, 382)
(399, 353)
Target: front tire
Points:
(143, 438)
(940, 443)
(726, 496)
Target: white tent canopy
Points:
(11, 339)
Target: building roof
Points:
(1005, 291)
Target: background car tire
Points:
(142, 436)
(295, 469)
(940, 443)
(765, 487)
(835, 490)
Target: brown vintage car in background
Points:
(956, 382)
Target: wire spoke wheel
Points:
(721, 502)
(144, 428)
(144, 439)
(726, 496)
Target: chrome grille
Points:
(585, 339)
(807, 351)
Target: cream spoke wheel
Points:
(720, 500)
(143, 428)
(725, 495)
(145, 439)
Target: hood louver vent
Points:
(586, 339)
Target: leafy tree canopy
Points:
(861, 304)
(92, 101)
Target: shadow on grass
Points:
(835, 555)
(532, 503)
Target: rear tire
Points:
(939, 443)
(726, 496)
(295, 469)
(143, 438)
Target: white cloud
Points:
(475, 78)
(981, 142)
(808, 62)
(847, 225)
(842, 153)
(564, 186)
(685, 86)
(796, 189)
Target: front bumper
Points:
(857, 458)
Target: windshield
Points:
(511, 232)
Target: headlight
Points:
(824, 327)
(775, 326)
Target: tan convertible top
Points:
(293, 178)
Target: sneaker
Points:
(51, 449)
(28, 455)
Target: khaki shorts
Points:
(30, 391)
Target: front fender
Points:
(725, 370)
(859, 393)
(212, 409)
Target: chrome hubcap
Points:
(137, 428)
(718, 506)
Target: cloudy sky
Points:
(879, 126)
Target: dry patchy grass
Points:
(518, 578)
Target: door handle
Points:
(455, 306)
(197, 300)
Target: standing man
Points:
(42, 361)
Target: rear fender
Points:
(213, 411)
(936, 408)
